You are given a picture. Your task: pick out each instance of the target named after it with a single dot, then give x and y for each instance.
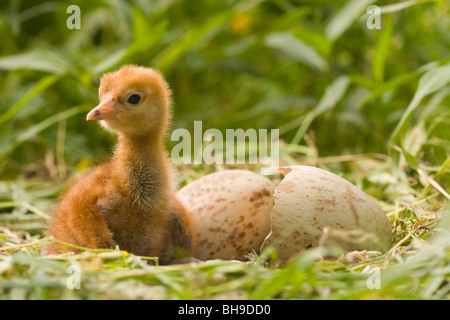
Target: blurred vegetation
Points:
(231, 64)
(371, 104)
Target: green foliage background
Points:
(312, 69)
(260, 64)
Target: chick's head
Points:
(134, 101)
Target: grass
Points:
(416, 266)
(370, 105)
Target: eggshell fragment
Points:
(230, 213)
(315, 207)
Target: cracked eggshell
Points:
(229, 212)
(315, 207)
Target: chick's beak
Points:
(105, 110)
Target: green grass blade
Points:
(296, 49)
(342, 20)
(39, 87)
(389, 85)
(391, 8)
(33, 60)
(430, 82)
(381, 50)
(333, 94)
(36, 129)
(192, 37)
(110, 61)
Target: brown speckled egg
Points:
(230, 213)
(315, 207)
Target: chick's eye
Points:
(134, 99)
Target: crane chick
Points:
(129, 200)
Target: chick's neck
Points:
(145, 171)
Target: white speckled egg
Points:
(315, 207)
(230, 213)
